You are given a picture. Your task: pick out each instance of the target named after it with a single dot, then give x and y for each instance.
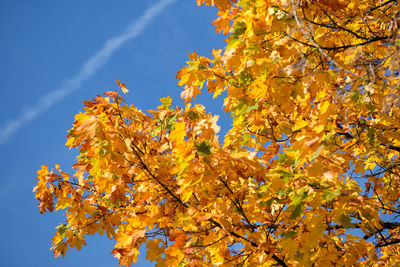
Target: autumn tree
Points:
(308, 173)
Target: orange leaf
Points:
(123, 86)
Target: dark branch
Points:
(388, 243)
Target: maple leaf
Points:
(114, 95)
(311, 154)
(111, 94)
(178, 133)
(122, 86)
(300, 124)
(116, 193)
(90, 127)
(166, 102)
(204, 148)
(154, 250)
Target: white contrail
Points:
(88, 69)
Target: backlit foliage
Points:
(307, 174)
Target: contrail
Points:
(88, 69)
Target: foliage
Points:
(307, 174)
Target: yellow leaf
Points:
(305, 122)
(166, 102)
(178, 133)
(319, 128)
(300, 124)
(43, 171)
(289, 246)
(124, 240)
(324, 107)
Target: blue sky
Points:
(44, 45)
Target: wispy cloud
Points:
(88, 69)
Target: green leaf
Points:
(62, 228)
(285, 175)
(239, 28)
(193, 115)
(282, 157)
(267, 204)
(201, 67)
(289, 234)
(232, 42)
(295, 163)
(251, 108)
(296, 211)
(345, 220)
(297, 199)
(245, 139)
(329, 195)
(71, 133)
(170, 121)
(204, 148)
(275, 60)
(371, 107)
(371, 135)
(316, 153)
(355, 95)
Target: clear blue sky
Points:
(44, 44)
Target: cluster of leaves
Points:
(309, 172)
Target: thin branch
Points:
(312, 41)
(388, 243)
(155, 178)
(236, 202)
(208, 245)
(272, 133)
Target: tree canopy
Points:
(308, 173)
